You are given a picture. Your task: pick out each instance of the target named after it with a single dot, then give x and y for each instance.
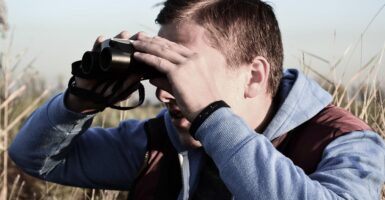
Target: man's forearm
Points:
(48, 130)
(57, 145)
(253, 169)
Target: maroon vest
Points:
(305, 144)
(161, 174)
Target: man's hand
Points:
(82, 106)
(190, 79)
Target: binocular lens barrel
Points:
(114, 60)
(90, 60)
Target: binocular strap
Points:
(105, 101)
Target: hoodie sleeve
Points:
(352, 166)
(57, 145)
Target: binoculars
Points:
(113, 64)
(114, 61)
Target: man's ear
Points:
(258, 75)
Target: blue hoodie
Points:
(57, 145)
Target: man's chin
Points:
(182, 124)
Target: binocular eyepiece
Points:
(115, 61)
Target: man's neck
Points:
(260, 113)
(270, 113)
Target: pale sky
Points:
(57, 33)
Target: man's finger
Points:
(163, 50)
(158, 63)
(97, 43)
(159, 46)
(181, 49)
(123, 35)
(139, 36)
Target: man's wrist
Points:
(78, 105)
(204, 114)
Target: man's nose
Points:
(164, 96)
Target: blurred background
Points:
(339, 43)
(55, 33)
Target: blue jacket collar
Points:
(300, 98)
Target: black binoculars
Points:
(114, 61)
(111, 65)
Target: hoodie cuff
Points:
(59, 114)
(222, 133)
(204, 114)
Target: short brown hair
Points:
(240, 29)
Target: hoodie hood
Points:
(300, 99)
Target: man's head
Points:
(240, 29)
(241, 42)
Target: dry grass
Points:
(363, 93)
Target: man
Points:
(235, 122)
